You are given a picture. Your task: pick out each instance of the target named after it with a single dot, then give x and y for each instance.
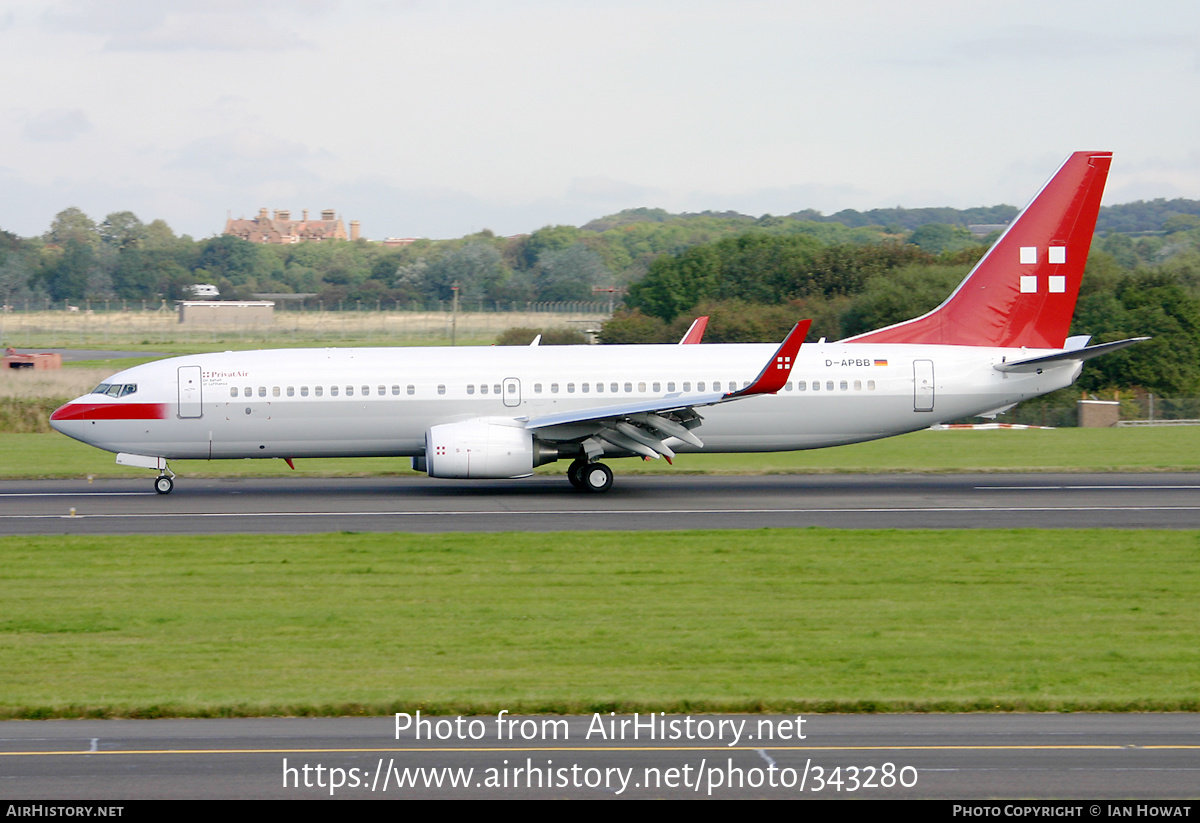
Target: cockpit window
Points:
(115, 389)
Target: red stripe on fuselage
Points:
(111, 411)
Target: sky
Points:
(439, 118)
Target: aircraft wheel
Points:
(575, 473)
(597, 477)
(163, 484)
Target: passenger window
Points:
(614, 387)
(496, 388)
(628, 387)
(844, 385)
(247, 392)
(816, 385)
(291, 391)
(441, 388)
(641, 387)
(554, 388)
(657, 387)
(700, 386)
(304, 391)
(382, 390)
(671, 386)
(483, 388)
(233, 391)
(584, 388)
(537, 388)
(470, 388)
(319, 390)
(801, 385)
(870, 385)
(787, 386)
(275, 391)
(570, 388)
(333, 391)
(828, 385)
(396, 389)
(412, 389)
(858, 385)
(349, 391)
(262, 391)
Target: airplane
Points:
(499, 412)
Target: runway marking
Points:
(623, 512)
(1085, 488)
(605, 749)
(78, 494)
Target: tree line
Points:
(754, 275)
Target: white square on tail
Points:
(1028, 255)
(1058, 284)
(1058, 254)
(1028, 284)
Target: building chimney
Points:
(262, 213)
(329, 214)
(354, 229)
(306, 215)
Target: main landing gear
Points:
(592, 477)
(163, 484)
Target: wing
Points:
(642, 426)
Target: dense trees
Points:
(755, 276)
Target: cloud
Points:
(247, 158)
(215, 25)
(56, 126)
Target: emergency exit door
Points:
(923, 385)
(190, 400)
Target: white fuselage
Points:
(381, 402)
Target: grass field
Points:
(778, 620)
(1133, 449)
(161, 331)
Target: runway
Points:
(960, 757)
(547, 503)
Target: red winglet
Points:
(779, 367)
(695, 332)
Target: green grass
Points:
(770, 620)
(1071, 450)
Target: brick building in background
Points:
(282, 229)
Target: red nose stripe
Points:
(111, 411)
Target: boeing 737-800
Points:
(1000, 338)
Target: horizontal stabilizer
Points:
(1036, 363)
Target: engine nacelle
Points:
(484, 449)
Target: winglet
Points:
(695, 332)
(779, 368)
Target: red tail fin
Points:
(1023, 291)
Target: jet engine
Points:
(484, 449)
